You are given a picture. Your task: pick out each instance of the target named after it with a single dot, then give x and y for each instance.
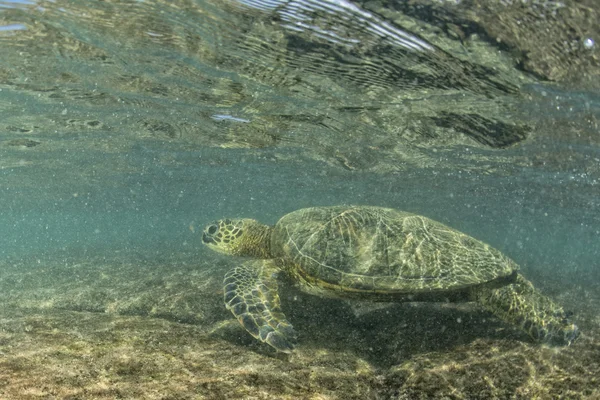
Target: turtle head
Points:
(240, 237)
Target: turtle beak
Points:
(207, 239)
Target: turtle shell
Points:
(362, 248)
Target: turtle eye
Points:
(212, 229)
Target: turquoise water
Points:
(125, 127)
(526, 216)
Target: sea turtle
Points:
(375, 254)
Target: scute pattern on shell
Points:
(378, 249)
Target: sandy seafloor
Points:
(110, 327)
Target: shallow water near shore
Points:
(125, 127)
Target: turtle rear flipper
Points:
(520, 304)
(251, 295)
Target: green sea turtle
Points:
(375, 254)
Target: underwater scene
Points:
(299, 199)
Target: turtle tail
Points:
(520, 304)
(251, 295)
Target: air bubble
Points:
(589, 43)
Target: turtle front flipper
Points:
(520, 304)
(251, 295)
